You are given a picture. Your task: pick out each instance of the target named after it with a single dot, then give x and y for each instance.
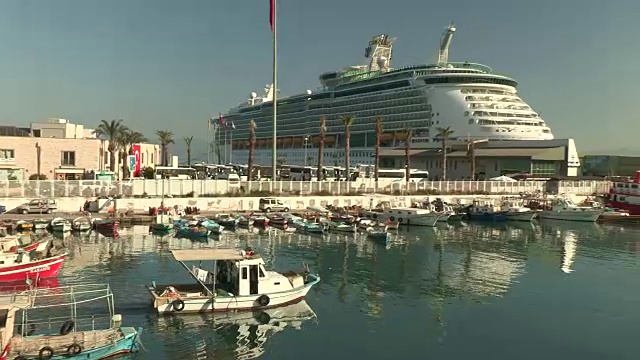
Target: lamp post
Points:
(306, 142)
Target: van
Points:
(38, 206)
(272, 204)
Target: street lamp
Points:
(306, 142)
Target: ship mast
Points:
(445, 42)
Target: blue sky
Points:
(166, 64)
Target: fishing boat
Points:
(343, 228)
(60, 225)
(565, 209)
(238, 281)
(82, 223)
(105, 224)
(39, 263)
(24, 225)
(485, 210)
(41, 224)
(259, 220)
(23, 242)
(229, 222)
(380, 236)
(277, 220)
(213, 227)
(162, 222)
(245, 221)
(516, 211)
(27, 333)
(192, 231)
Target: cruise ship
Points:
(468, 98)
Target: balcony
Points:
(7, 161)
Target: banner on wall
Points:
(136, 154)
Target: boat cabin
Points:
(485, 206)
(235, 272)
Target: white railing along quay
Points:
(213, 188)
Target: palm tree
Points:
(347, 121)
(187, 141)
(321, 141)
(252, 149)
(125, 140)
(378, 126)
(471, 154)
(110, 130)
(165, 137)
(444, 134)
(407, 156)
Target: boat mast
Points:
(274, 162)
(443, 52)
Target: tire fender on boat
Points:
(67, 327)
(262, 317)
(400, 220)
(45, 353)
(263, 300)
(178, 304)
(392, 218)
(74, 349)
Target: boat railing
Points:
(47, 325)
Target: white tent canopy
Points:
(503, 178)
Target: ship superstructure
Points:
(470, 98)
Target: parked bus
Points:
(182, 173)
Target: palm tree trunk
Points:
(252, 150)
(472, 155)
(189, 157)
(444, 159)
(407, 157)
(321, 142)
(377, 156)
(347, 149)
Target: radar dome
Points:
(309, 92)
(254, 95)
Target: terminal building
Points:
(57, 149)
(493, 158)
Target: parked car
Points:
(272, 204)
(38, 206)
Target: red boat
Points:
(625, 195)
(13, 243)
(21, 265)
(105, 224)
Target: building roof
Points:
(550, 154)
(397, 152)
(208, 255)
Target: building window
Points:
(37, 133)
(7, 154)
(68, 158)
(547, 168)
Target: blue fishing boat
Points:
(78, 337)
(485, 210)
(162, 223)
(212, 226)
(192, 231)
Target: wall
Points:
(251, 203)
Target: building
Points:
(62, 151)
(609, 165)
(543, 158)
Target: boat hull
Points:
(521, 215)
(161, 227)
(572, 215)
(231, 303)
(49, 267)
(496, 216)
(424, 220)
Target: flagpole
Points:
(274, 154)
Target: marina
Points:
(482, 270)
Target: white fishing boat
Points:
(565, 209)
(237, 281)
(516, 211)
(60, 225)
(82, 223)
(343, 228)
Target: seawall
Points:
(231, 204)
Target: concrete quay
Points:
(241, 204)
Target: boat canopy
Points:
(211, 255)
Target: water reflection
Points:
(239, 335)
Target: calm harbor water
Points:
(552, 290)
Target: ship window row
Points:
(510, 106)
(470, 80)
(369, 98)
(487, 91)
(502, 114)
(510, 99)
(375, 88)
(506, 122)
(370, 78)
(375, 106)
